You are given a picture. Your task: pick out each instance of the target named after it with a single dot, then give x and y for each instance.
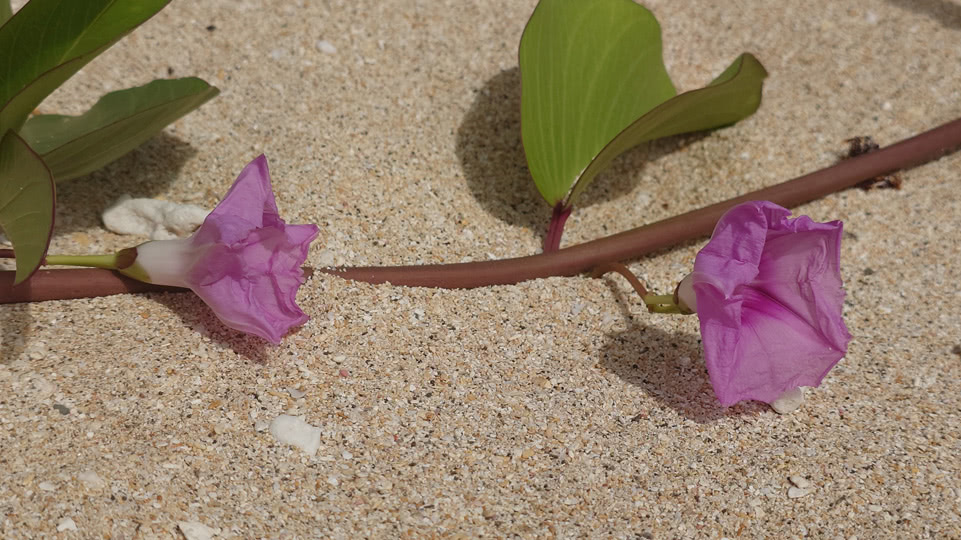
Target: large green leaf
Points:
(5, 11)
(733, 95)
(588, 69)
(594, 85)
(26, 203)
(47, 41)
(120, 121)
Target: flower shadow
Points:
(669, 367)
(196, 314)
(492, 156)
(146, 171)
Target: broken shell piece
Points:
(294, 431)
(800, 481)
(789, 401)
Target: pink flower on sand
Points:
(767, 291)
(244, 261)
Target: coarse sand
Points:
(553, 408)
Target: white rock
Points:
(800, 481)
(294, 431)
(160, 220)
(66, 524)
(789, 401)
(295, 393)
(91, 480)
(326, 47)
(795, 492)
(194, 530)
(47, 486)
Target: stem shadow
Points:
(943, 11)
(15, 322)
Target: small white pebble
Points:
(261, 425)
(796, 492)
(800, 481)
(326, 258)
(332, 480)
(295, 393)
(194, 530)
(886, 106)
(66, 524)
(294, 431)
(789, 401)
(277, 54)
(47, 486)
(91, 480)
(326, 47)
(875, 507)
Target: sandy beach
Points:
(556, 408)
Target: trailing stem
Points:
(564, 262)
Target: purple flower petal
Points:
(769, 301)
(244, 261)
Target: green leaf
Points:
(5, 11)
(588, 69)
(26, 203)
(120, 121)
(733, 95)
(47, 41)
(594, 85)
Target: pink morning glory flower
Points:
(767, 292)
(244, 260)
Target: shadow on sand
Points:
(492, 156)
(668, 366)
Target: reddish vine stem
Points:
(643, 240)
(62, 284)
(604, 268)
(69, 284)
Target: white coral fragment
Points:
(160, 220)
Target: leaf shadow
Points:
(193, 312)
(492, 156)
(668, 367)
(144, 172)
(943, 11)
